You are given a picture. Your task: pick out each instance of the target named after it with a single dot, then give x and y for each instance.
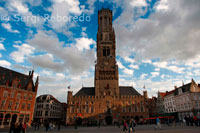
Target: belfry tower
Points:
(106, 69)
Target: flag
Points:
(68, 87)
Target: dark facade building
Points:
(17, 97)
(107, 102)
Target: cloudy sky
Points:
(158, 42)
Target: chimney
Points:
(175, 87)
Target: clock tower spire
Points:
(106, 69)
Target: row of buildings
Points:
(18, 102)
(180, 102)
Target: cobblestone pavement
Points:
(115, 129)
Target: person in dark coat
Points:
(12, 128)
(47, 126)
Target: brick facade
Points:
(17, 97)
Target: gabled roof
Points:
(7, 75)
(44, 98)
(123, 90)
(184, 88)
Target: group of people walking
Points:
(129, 125)
(192, 120)
(18, 128)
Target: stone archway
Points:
(14, 118)
(108, 120)
(6, 119)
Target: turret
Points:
(36, 84)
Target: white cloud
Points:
(8, 27)
(147, 61)
(5, 63)
(84, 43)
(121, 66)
(162, 5)
(157, 36)
(23, 51)
(72, 59)
(134, 66)
(155, 74)
(0, 55)
(128, 59)
(20, 7)
(2, 47)
(64, 8)
(138, 3)
(157, 69)
(128, 71)
(46, 61)
(143, 76)
(165, 65)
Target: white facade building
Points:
(169, 102)
(187, 99)
(48, 108)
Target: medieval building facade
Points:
(107, 101)
(17, 97)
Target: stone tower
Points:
(106, 69)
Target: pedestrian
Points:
(58, 126)
(47, 126)
(195, 120)
(125, 126)
(158, 125)
(133, 125)
(99, 124)
(38, 125)
(24, 127)
(119, 124)
(187, 120)
(20, 128)
(12, 128)
(35, 124)
(198, 118)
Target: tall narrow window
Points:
(105, 20)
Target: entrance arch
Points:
(6, 119)
(108, 120)
(14, 118)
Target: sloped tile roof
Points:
(7, 75)
(123, 90)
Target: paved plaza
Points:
(115, 129)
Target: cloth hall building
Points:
(107, 102)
